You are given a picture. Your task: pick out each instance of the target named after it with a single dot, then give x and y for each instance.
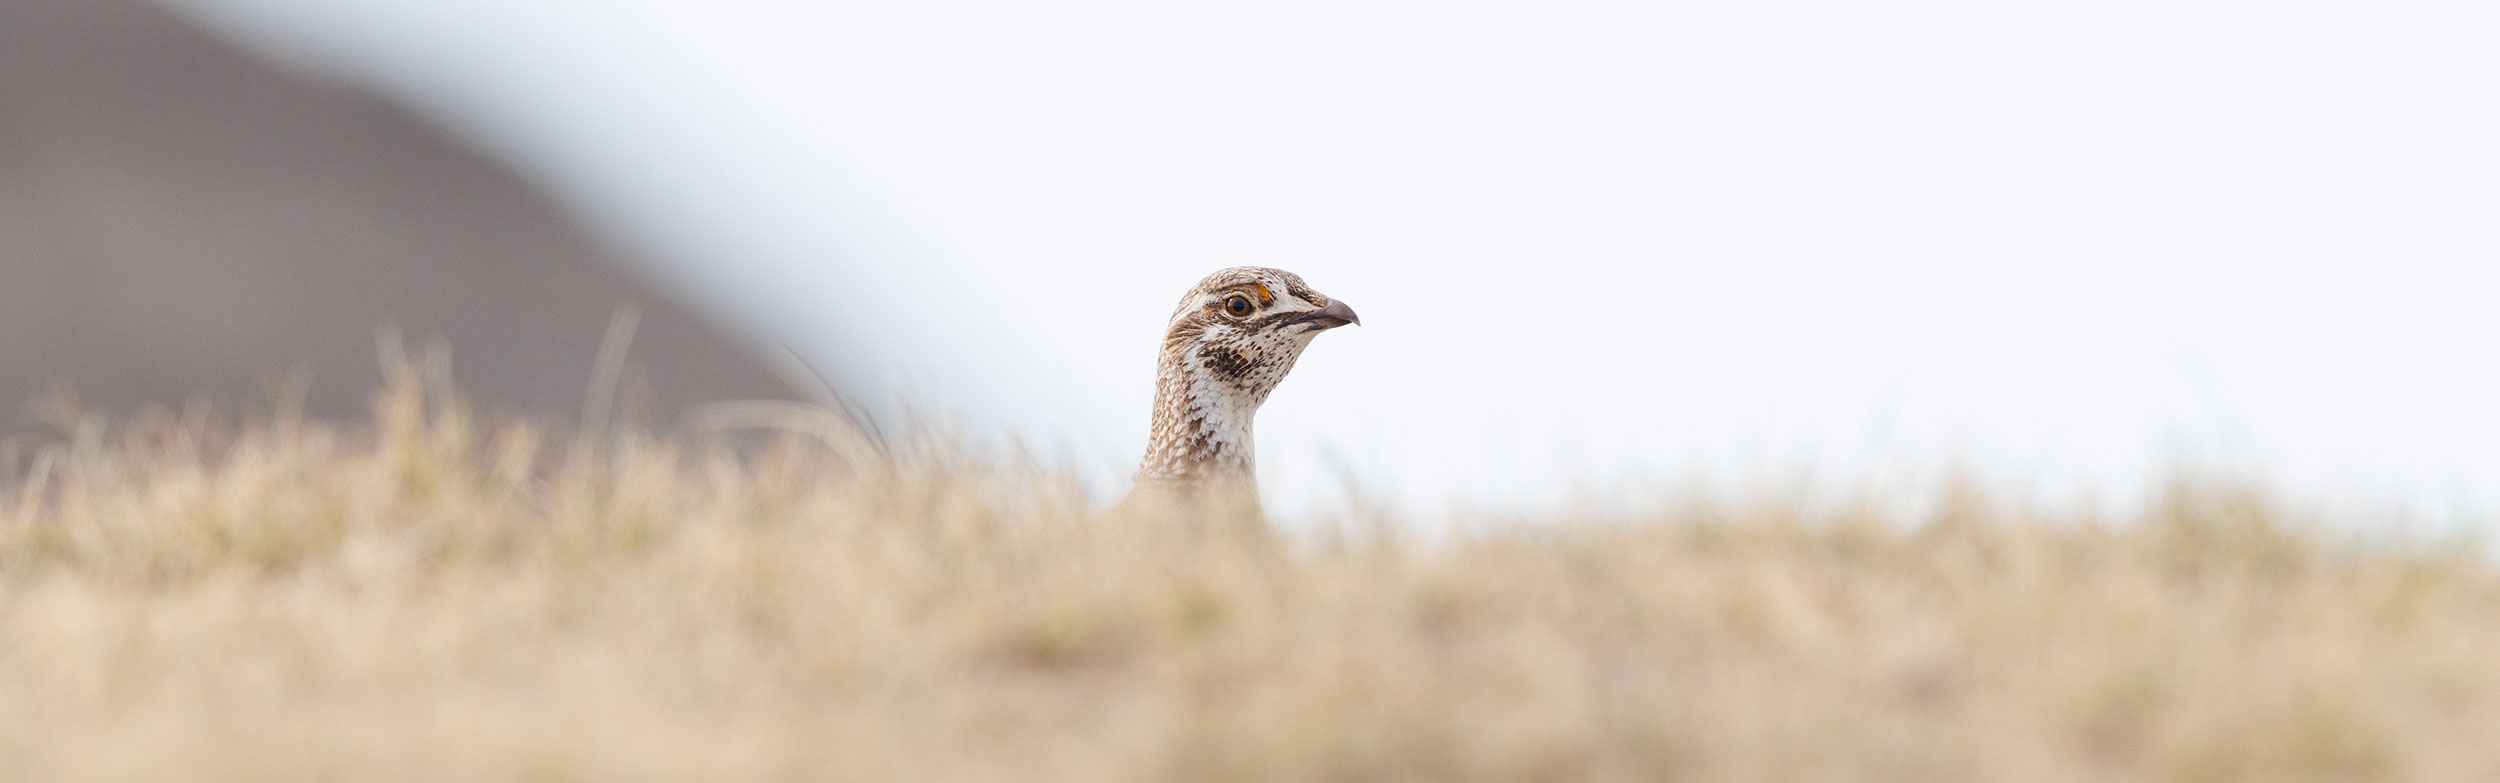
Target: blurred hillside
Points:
(179, 218)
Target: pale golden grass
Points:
(418, 599)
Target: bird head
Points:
(1229, 343)
(1240, 329)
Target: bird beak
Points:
(1336, 314)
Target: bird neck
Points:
(1202, 427)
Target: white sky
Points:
(2067, 248)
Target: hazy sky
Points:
(1595, 244)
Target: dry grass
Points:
(420, 600)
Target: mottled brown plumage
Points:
(1231, 340)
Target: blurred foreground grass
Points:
(425, 598)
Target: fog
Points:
(1598, 247)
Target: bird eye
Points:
(1238, 305)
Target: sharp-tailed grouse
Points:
(1231, 340)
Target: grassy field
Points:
(423, 597)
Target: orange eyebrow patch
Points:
(1264, 296)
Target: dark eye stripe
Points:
(1274, 318)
